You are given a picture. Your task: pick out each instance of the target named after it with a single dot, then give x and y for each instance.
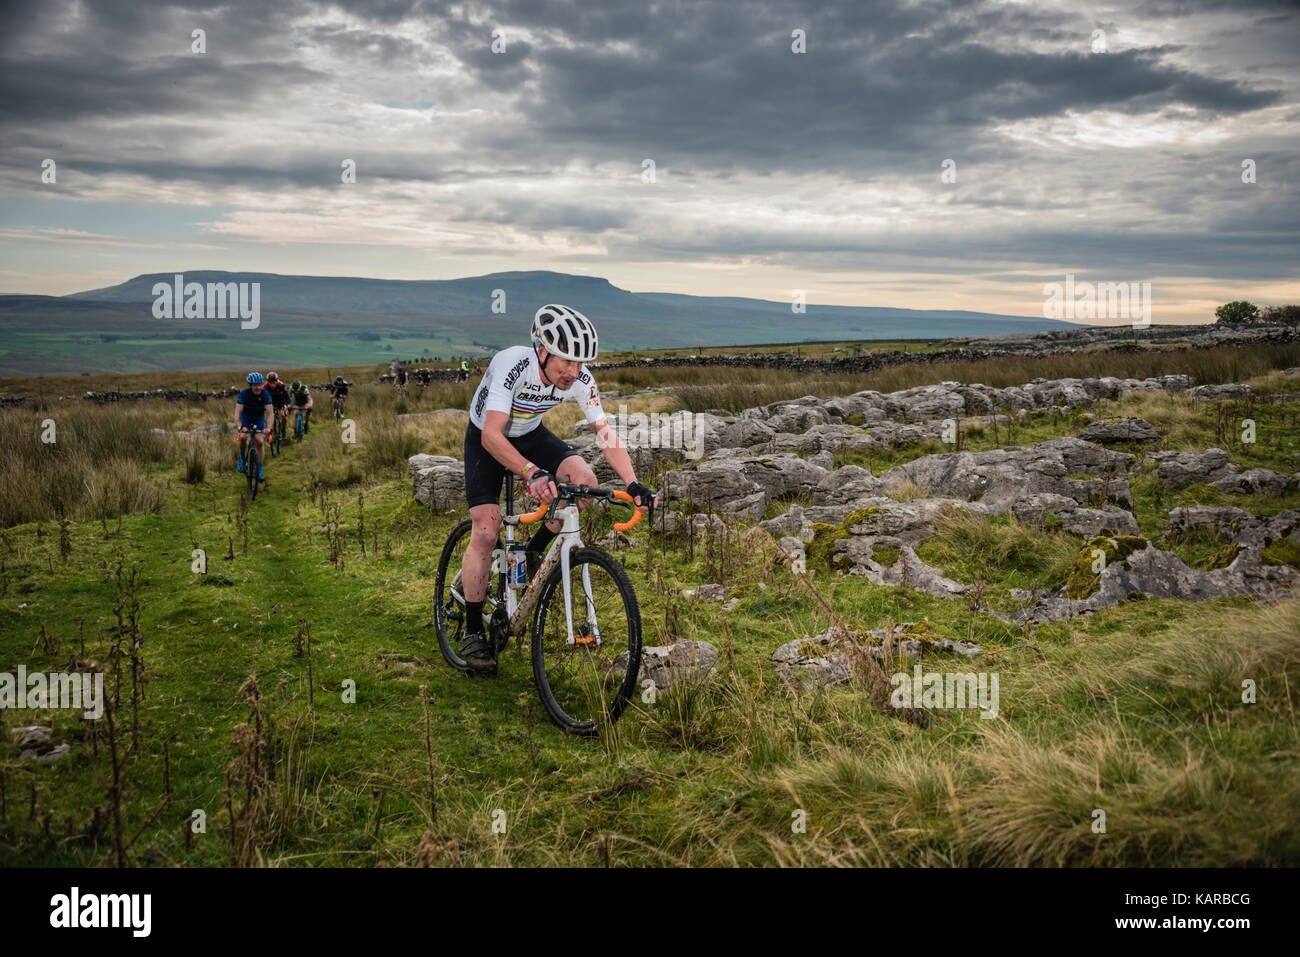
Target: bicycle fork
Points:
(520, 608)
(591, 637)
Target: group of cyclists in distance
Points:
(270, 391)
(423, 376)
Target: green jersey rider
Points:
(301, 396)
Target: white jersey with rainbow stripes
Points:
(513, 384)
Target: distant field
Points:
(806, 350)
(75, 352)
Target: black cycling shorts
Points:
(484, 474)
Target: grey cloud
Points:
(713, 94)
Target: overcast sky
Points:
(774, 170)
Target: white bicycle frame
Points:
(519, 607)
(520, 602)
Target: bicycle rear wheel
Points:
(586, 677)
(449, 600)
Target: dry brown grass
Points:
(906, 492)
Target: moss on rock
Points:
(1283, 551)
(859, 515)
(821, 550)
(1220, 559)
(885, 556)
(1083, 581)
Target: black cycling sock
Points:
(473, 617)
(541, 538)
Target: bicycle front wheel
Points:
(254, 481)
(250, 467)
(586, 664)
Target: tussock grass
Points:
(94, 466)
(1152, 732)
(906, 492)
(965, 545)
(388, 445)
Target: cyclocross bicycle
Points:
(297, 426)
(338, 409)
(580, 607)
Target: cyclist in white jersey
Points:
(505, 432)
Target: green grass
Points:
(1002, 553)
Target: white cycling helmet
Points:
(565, 332)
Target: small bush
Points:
(196, 464)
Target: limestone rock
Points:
(821, 659)
(1161, 574)
(742, 485)
(423, 461)
(1086, 522)
(668, 665)
(998, 478)
(1178, 469)
(846, 484)
(907, 570)
(708, 592)
(745, 433)
(1125, 428)
(1256, 482)
(440, 486)
(1235, 525)
(32, 736)
(1215, 393)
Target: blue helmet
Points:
(255, 378)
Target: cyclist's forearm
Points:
(620, 462)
